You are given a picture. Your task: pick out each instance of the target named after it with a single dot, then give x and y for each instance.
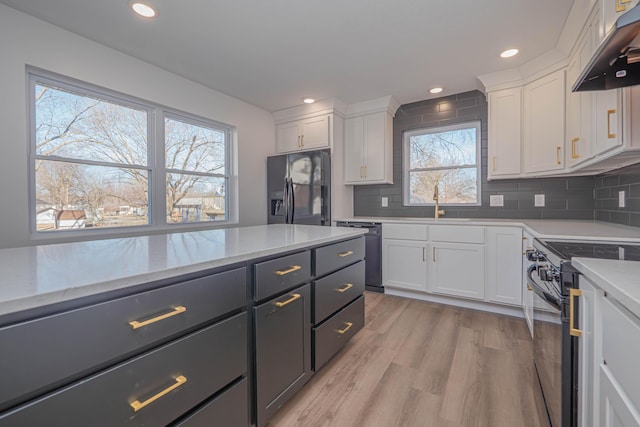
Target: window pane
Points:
(194, 198)
(194, 148)
(454, 186)
(82, 127)
(438, 149)
(75, 196)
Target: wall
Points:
(607, 187)
(26, 40)
(566, 198)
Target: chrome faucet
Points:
(438, 211)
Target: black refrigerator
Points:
(299, 186)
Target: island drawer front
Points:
(333, 334)
(334, 257)
(456, 233)
(178, 375)
(231, 409)
(621, 347)
(336, 290)
(84, 340)
(278, 275)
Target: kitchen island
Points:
(179, 318)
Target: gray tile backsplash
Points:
(607, 187)
(566, 198)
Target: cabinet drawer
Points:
(78, 341)
(280, 274)
(621, 344)
(333, 334)
(405, 231)
(231, 409)
(166, 382)
(456, 233)
(334, 257)
(336, 290)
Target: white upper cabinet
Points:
(544, 123)
(369, 149)
(306, 134)
(368, 142)
(505, 108)
(579, 138)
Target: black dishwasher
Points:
(373, 252)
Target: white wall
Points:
(25, 40)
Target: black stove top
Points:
(606, 250)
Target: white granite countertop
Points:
(620, 279)
(567, 229)
(48, 274)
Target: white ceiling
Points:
(273, 53)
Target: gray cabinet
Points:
(282, 349)
(152, 389)
(333, 334)
(336, 290)
(143, 359)
(227, 409)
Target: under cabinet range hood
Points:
(616, 62)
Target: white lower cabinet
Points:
(504, 265)
(456, 269)
(615, 408)
(587, 378)
(404, 264)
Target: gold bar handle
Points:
(289, 301)
(302, 140)
(529, 288)
(299, 141)
(347, 327)
(574, 148)
(558, 155)
(288, 270)
(609, 134)
(344, 254)
(346, 287)
(137, 405)
(573, 293)
(620, 7)
(176, 310)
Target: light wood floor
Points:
(422, 364)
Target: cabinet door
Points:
(504, 265)
(579, 107)
(544, 120)
(354, 150)
(314, 132)
(505, 131)
(375, 153)
(616, 409)
(587, 358)
(456, 269)
(288, 137)
(608, 120)
(282, 349)
(404, 264)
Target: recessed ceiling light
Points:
(436, 90)
(308, 100)
(143, 9)
(509, 53)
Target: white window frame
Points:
(406, 152)
(156, 167)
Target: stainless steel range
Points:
(555, 284)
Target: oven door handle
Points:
(538, 289)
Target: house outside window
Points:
(447, 157)
(103, 161)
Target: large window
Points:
(447, 157)
(101, 160)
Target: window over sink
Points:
(447, 157)
(101, 160)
